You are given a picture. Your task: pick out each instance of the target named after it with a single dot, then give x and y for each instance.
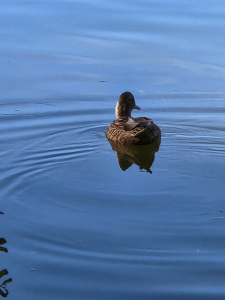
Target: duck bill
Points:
(137, 107)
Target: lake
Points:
(81, 219)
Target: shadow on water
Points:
(141, 155)
(3, 284)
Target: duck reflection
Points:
(141, 155)
(3, 289)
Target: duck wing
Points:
(132, 123)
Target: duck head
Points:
(125, 105)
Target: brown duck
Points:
(125, 129)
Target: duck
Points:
(128, 130)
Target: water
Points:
(76, 226)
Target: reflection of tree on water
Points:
(141, 155)
(2, 242)
(3, 290)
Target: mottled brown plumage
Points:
(125, 129)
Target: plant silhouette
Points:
(3, 288)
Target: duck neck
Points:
(121, 112)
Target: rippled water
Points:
(75, 225)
